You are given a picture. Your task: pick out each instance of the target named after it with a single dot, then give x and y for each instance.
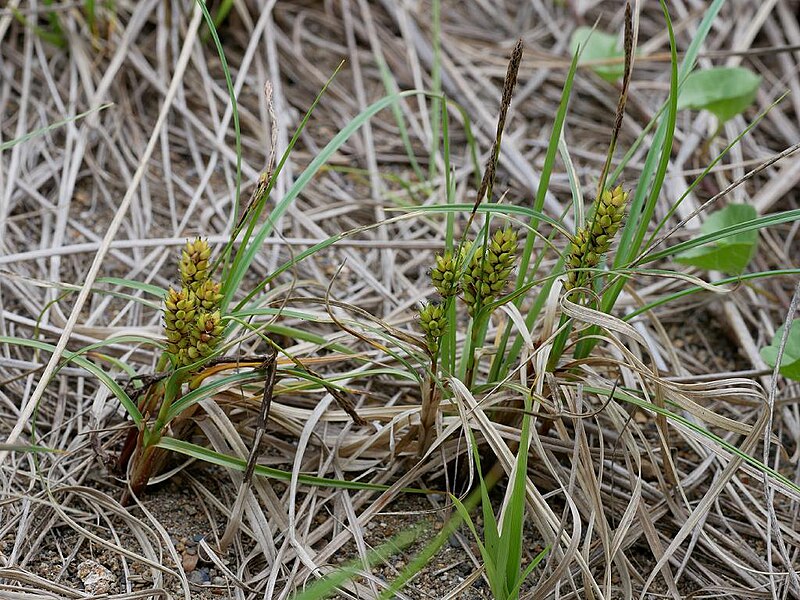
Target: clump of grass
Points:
(501, 545)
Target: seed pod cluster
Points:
(594, 239)
(445, 275)
(489, 269)
(433, 322)
(482, 281)
(192, 319)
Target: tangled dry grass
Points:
(115, 193)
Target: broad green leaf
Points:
(790, 361)
(724, 91)
(730, 254)
(596, 46)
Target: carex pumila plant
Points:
(193, 329)
(471, 275)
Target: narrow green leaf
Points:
(528, 570)
(147, 288)
(30, 448)
(75, 357)
(751, 225)
(626, 396)
(696, 288)
(193, 397)
(256, 242)
(224, 460)
(51, 127)
(514, 519)
(325, 587)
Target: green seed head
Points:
(194, 263)
(444, 275)
(204, 336)
(593, 240)
(433, 322)
(180, 311)
(489, 269)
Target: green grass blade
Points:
(75, 357)
(325, 587)
(205, 391)
(662, 223)
(41, 131)
(232, 95)
(646, 194)
(528, 570)
(514, 519)
(637, 226)
(147, 288)
(224, 460)
(695, 289)
(29, 449)
(754, 224)
(547, 171)
(241, 265)
(625, 396)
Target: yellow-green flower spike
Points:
(208, 295)
(445, 275)
(205, 335)
(433, 322)
(180, 313)
(194, 263)
(489, 269)
(593, 240)
(192, 315)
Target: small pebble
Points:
(218, 580)
(200, 577)
(95, 577)
(189, 562)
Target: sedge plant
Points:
(479, 272)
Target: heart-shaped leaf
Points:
(724, 91)
(597, 45)
(790, 361)
(730, 254)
